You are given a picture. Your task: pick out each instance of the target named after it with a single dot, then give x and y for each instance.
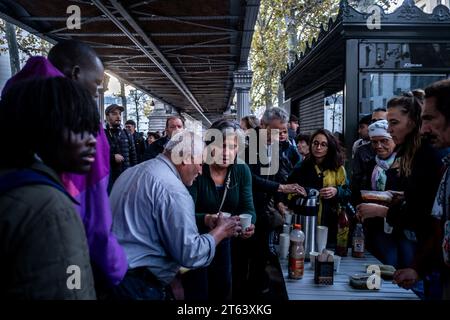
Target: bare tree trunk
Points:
(124, 101)
(292, 35)
(13, 48)
(268, 88)
(280, 94)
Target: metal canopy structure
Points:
(182, 52)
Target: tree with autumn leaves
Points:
(283, 29)
(15, 40)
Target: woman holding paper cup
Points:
(225, 186)
(324, 171)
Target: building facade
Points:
(366, 64)
(428, 5)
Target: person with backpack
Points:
(43, 246)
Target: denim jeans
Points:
(211, 283)
(393, 249)
(137, 287)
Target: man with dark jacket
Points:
(293, 127)
(121, 143)
(363, 162)
(139, 141)
(173, 124)
(267, 185)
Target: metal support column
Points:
(242, 83)
(351, 108)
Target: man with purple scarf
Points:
(79, 62)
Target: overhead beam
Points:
(173, 75)
(154, 34)
(146, 18)
(131, 22)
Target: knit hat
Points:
(379, 129)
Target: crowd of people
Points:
(95, 211)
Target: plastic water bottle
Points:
(296, 253)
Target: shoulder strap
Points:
(227, 186)
(445, 213)
(26, 177)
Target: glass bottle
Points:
(358, 242)
(342, 232)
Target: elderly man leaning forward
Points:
(154, 220)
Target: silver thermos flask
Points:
(308, 220)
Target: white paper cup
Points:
(312, 257)
(246, 220)
(284, 245)
(337, 263)
(288, 218)
(226, 214)
(321, 237)
(387, 227)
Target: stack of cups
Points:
(284, 245)
(312, 257)
(321, 238)
(337, 263)
(288, 217)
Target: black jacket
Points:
(157, 147)
(307, 177)
(362, 167)
(420, 190)
(264, 186)
(140, 145)
(415, 212)
(120, 142)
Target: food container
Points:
(380, 197)
(364, 281)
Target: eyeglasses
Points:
(383, 142)
(316, 144)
